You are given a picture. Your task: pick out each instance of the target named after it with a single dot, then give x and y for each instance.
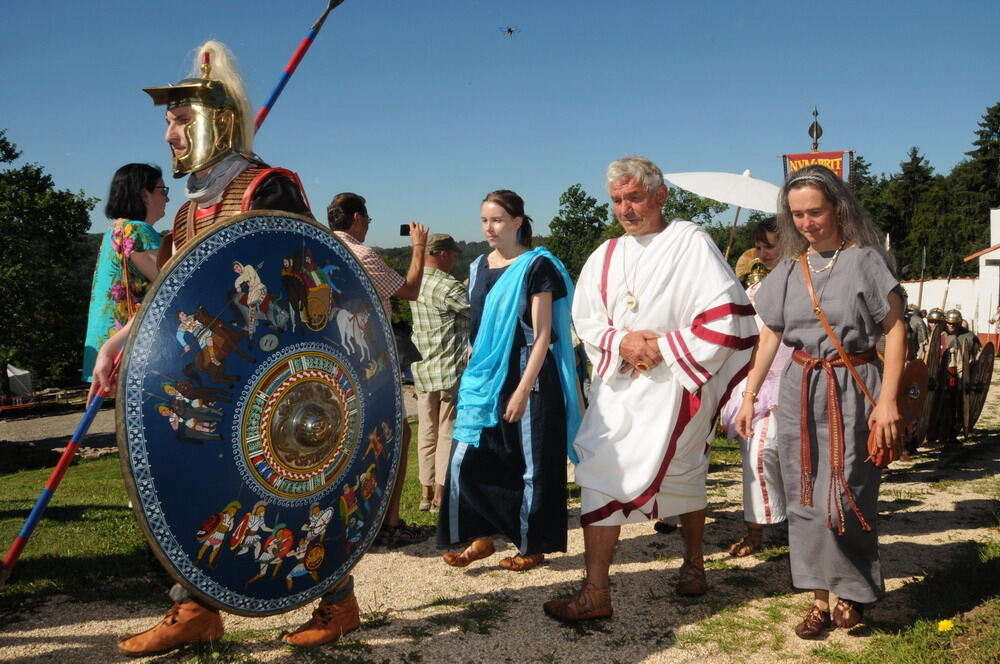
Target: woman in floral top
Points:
(137, 193)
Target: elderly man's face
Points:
(639, 211)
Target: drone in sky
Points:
(509, 31)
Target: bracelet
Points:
(420, 244)
(750, 392)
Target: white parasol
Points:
(743, 191)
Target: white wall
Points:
(977, 298)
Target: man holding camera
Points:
(349, 220)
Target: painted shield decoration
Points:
(261, 424)
(977, 386)
(932, 403)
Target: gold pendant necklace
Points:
(631, 301)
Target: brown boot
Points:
(589, 604)
(329, 622)
(186, 622)
(521, 563)
(480, 548)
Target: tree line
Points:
(48, 257)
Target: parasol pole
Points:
(10, 560)
(732, 233)
(920, 289)
(293, 63)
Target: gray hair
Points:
(856, 224)
(637, 168)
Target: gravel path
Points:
(416, 609)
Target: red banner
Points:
(832, 160)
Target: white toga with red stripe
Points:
(643, 441)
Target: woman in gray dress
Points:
(831, 489)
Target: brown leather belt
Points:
(839, 489)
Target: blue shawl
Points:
(479, 392)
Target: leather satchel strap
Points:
(807, 277)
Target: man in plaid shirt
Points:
(441, 334)
(349, 220)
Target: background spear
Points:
(947, 285)
(920, 289)
(297, 56)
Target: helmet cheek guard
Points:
(215, 127)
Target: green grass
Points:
(967, 592)
(725, 455)
(88, 544)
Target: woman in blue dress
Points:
(518, 402)
(136, 201)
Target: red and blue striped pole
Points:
(300, 53)
(10, 560)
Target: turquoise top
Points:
(108, 304)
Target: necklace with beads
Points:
(829, 265)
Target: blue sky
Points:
(423, 106)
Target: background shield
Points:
(241, 416)
(977, 386)
(932, 403)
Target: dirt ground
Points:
(416, 609)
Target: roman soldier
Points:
(210, 132)
(958, 347)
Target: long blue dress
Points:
(513, 483)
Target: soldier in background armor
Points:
(959, 346)
(210, 132)
(917, 333)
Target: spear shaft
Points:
(10, 560)
(297, 56)
(947, 285)
(920, 290)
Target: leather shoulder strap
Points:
(807, 277)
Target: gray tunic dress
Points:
(854, 297)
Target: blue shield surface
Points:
(260, 414)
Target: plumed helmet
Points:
(953, 316)
(757, 272)
(220, 121)
(935, 315)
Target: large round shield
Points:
(977, 386)
(246, 412)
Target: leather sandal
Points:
(691, 581)
(479, 549)
(848, 613)
(590, 603)
(752, 542)
(521, 563)
(814, 624)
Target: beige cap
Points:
(441, 242)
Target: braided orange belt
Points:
(839, 489)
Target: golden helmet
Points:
(757, 272)
(935, 315)
(217, 125)
(953, 316)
